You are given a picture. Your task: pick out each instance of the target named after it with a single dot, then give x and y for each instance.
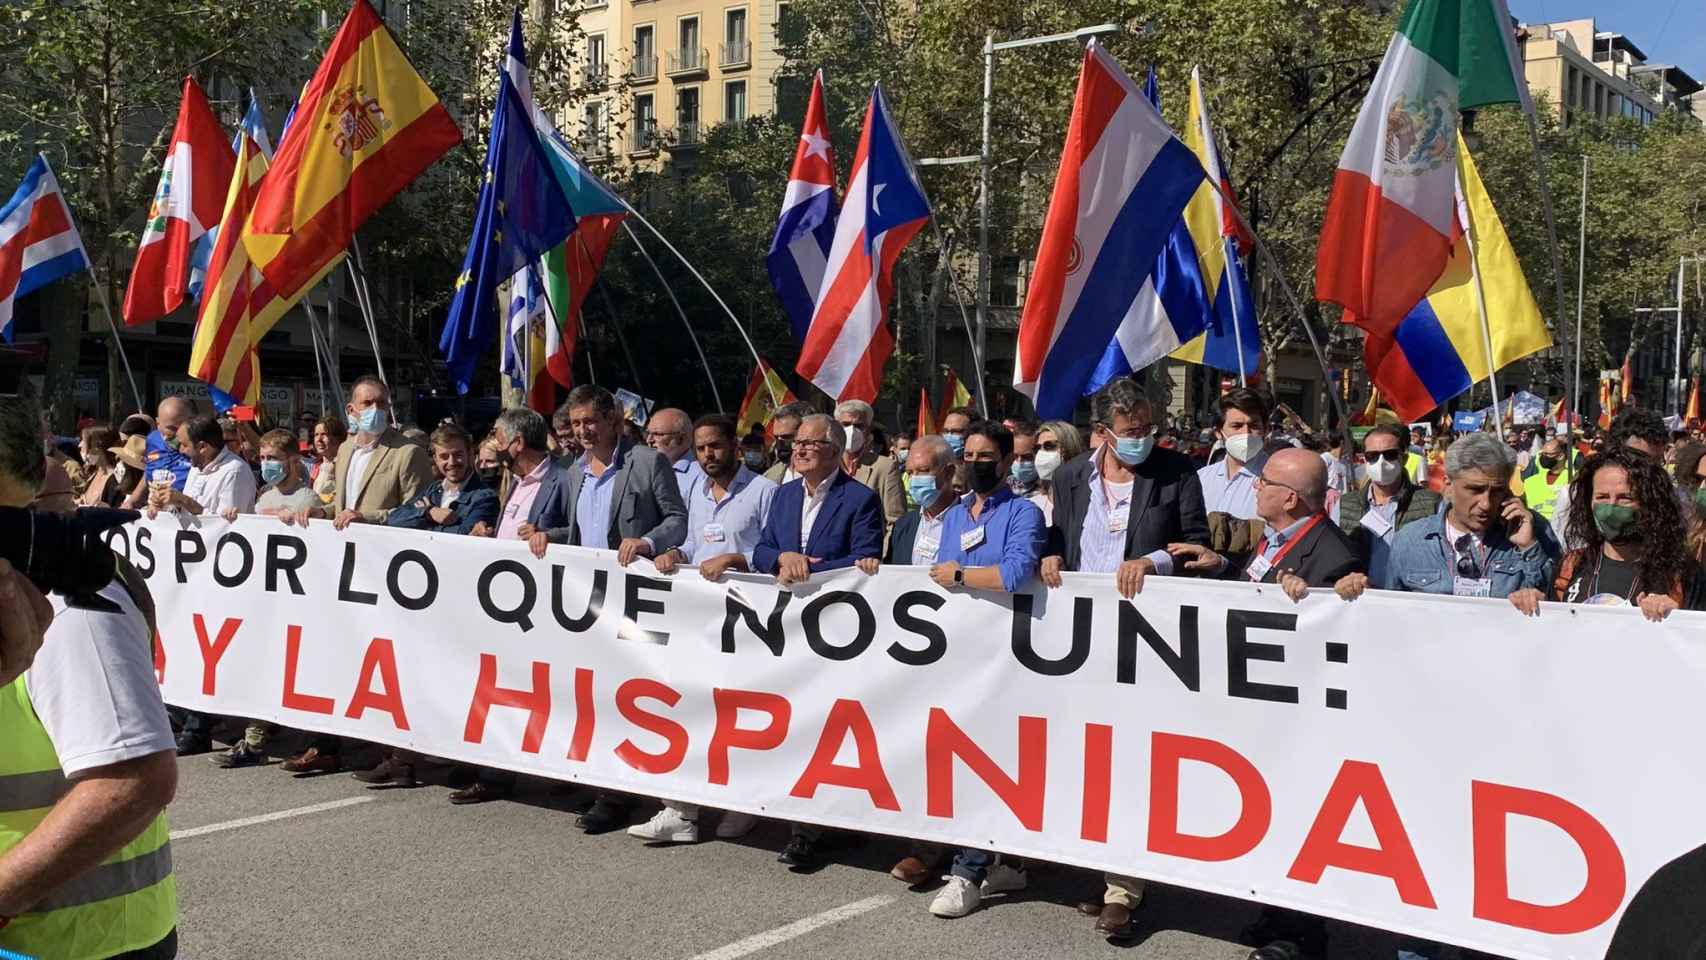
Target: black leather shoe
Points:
(800, 852)
(389, 773)
(479, 792)
(605, 815)
(190, 745)
(1279, 950)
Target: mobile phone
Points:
(243, 413)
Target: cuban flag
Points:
(849, 339)
(1123, 182)
(38, 240)
(806, 230)
(194, 180)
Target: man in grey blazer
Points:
(617, 496)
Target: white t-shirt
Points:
(226, 482)
(93, 686)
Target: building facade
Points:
(1586, 72)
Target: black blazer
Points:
(1324, 555)
(1166, 506)
(901, 538)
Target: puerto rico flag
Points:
(1124, 181)
(849, 340)
(187, 204)
(805, 232)
(38, 240)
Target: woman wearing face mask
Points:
(1691, 489)
(1057, 443)
(1627, 541)
(489, 465)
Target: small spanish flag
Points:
(366, 126)
(765, 392)
(927, 424)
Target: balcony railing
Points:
(643, 69)
(594, 4)
(691, 60)
(596, 73)
(734, 54)
(594, 146)
(644, 138)
(685, 136)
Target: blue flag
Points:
(522, 213)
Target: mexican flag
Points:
(1391, 220)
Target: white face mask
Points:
(1243, 447)
(855, 438)
(1048, 461)
(120, 471)
(1382, 471)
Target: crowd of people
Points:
(986, 505)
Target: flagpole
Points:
(621, 339)
(708, 288)
(1291, 296)
(1480, 298)
(364, 302)
(965, 319)
(100, 291)
(716, 395)
(1581, 281)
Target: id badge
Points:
(1258, 569)
(1117, 521)
(971, 539)
(714, 533)
(1471, 588)
(1376, 524)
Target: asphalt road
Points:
(271, 865)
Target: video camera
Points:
(63, 553)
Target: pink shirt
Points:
(521, 497)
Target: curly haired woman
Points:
(1627, 541)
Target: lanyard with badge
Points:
(1261, 564)
(1474, 581)
(1119, 511)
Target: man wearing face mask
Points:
(378, 469)
(783, 425)
(862, 460)
(218, 480)
(1391, 501)
(1024, 476)
(930, 482)
(1542, 488)
(1229, 487)
(459, 500)
(954, 424)
(991, 541)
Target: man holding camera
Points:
(87, 764)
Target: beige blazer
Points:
(396, 473)
(882, 474)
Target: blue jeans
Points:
(972, 864)
(1413, 949)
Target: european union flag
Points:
(522, 214)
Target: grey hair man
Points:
(868, 465)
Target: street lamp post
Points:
(989, 50)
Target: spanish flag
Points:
(365, 127)
(926, 419)
(954, 394)
(764, 393)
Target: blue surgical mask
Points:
(956, 444)
(1025, 472)
(922, 488)
(1133, 450)
(900, 457)
(272, 471)
(370, 421)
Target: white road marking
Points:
(799, 928)
(269, 817)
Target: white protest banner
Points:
(1437, 766)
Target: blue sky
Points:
(1668, 31)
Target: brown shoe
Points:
(312, 760)
(1114, 919)
(479, 792)
(911, 871)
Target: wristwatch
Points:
(959, 576)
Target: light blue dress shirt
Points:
(592, 507)
(1235, 495)
(730, 525)
(1008, 534)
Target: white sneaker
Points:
(1004, 879)
(669, 826)
(957, 899)
(735, 825)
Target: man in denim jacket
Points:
(1483, 543)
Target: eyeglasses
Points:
(1265, 482)
(652, 437)
(1467, 566)
(809, 445)
(1135, 433)
(1392, 456)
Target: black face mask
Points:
(985, 476)
(490, 475)
(1549, 462)
(784, 450)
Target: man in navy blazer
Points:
(825, 520)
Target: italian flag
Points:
(1392, 217)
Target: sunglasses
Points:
(1392, 456)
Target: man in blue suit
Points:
(825, 520)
